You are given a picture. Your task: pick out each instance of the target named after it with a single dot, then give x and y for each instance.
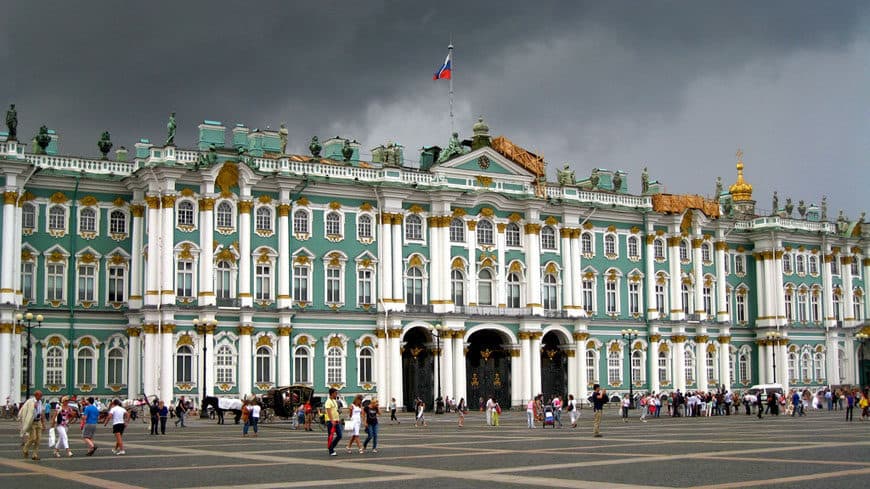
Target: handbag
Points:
(52, 437)
(348, 425)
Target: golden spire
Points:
(740, 191)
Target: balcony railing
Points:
(418, 308)
(493, 311)
(228, 302)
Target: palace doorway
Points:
(418, 369)
(488, 368)
(554, 366)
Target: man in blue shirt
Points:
(91, 417)
(797, 405)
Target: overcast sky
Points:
(675, 86)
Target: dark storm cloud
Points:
(583, 82)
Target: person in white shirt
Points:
(119, 418)
(572, 410)
(490, 405)
(254, 417)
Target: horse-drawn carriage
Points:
(284, 401)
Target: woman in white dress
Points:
(355, 412)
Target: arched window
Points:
(115, 367)
(301, 282)
(117, 283)
(224, 215)
(789, 304)
(739, 264)
(185, 213)
(819, 366)
(815, 305)
(184, 279)
(484, 287)
(366, 366)
(684, 251)
(87, 221)
(659, 249)
(835, 298)
(802, 305)
(591, 367)
(334, 366)
(364, 286)
(786, 264)
(512, 234)
(334, 287)
(548, 292)
(301, 365)
(610, 245)
(664, 367)
(28, 216)
(184, 365)
(223, 272)
(333, 224)
(263, 366)
(484, 232)
(792, 366)
(457, 230)
(661, 298)
(54, 366)
(586, 244)
(614, 368)
(707, 297)
(263, 281)
(637, 366)
(690, 367)
(686, 296)
(814, 265)
(633, 247)
(117, 222)
(364, 226)
(57, 218)
(706, 253)
(801, 266)
(611, 297)
(710, 365)
(414, 286)
(513, 290)
(414, 228)
(300, 221)
(264, 219)
(457, 287)
(806, 367)
(85, 371)
(225, 365)
(743, 368)
(548, 238)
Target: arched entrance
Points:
(864, 364)
(418, 369)
(488, 368)
(554, 366)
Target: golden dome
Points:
(740, 191)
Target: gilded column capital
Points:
(701, 338)
(650, 239)
(10, 197)
(580, 336)
(206, 204)
(168, 328)
(395, 333)
(246, 330)
(724, 340)
(678, 338)
(6, 328)
(828, 258)
(767, 255)
(532, 228)
(471, 224)
(524, 335)
(675, 240)
(397, 219)
(283, 210)
(575, 233)
(137, 210)
(380, 333)
(655, 338)
(386, 218)
(778, 254)
(721, 245)
(245, 206)
(846, 260)
(515, 353)
(152, 201)
(565, 233)
(284, 330)
(536, 335)
(501, 227)
(697, 242)
(133, 332)
(168, 201)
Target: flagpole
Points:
(450, 55)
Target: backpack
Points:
(570, 406)
(498, 408)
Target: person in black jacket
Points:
(598, 400)
(153, 410)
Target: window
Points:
(184, 279)
(184, 365)
(28, 217)
(57, 218)
(815, 306)
(706, 253)
(513, 290)
(743, 368)
(484, 287)
(814, 265)
(333, 224)
(222, 277)
(364, 287)
(610, 298)
(806, 367)
(801, 265)
(727, 260)
(87, 221)
(333, 285)
(300, 222)
(54, 273)
(684, 251)
(591, 367)
(789, 304)
(660, 297)
(741, 306)
(710, 365)
(87, 282)
(614, 368)
(366, 363)
(224, 215)
(334, 366)
(664, 367)
(548, 292)
(414, 228)
(512, 234)
(610, 245)
(802, 306)
(264, 219)
(739, 264)
(586, 244)
(685, 297)
(819, 366)
(263, 282)
(117, 222)
(837, 309)
(54, 366)
(636, 366)
(854, 267)
(263, 366)
(457, 230)
(300, 283)
(414, 286)
(857, 302)
(659, 249)
(732, 373)
(301, 365)
(548, 238)
(85, 367)
(707, 297)
(588, 288)
(364, 226)
(633, 248)
(835, 266)
(484, 232)
(634, 298)
(225, 365)
(185, 213)
(786, 264)
(457, 287)
(115, 367)
(792, 366)
(117, 284)
(690, 367)
(27, 283)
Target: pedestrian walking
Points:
(154, 413)
(461, 410)
(60, 420)
(254, 417)
(490, 407)
(163, 412)
(180, 413)
(120, 418)
(90, 418)
(572, 410)
(626, 404)
(850, 405)
(371, 425)
(31, 417)
(496, 413)
(644, 407)
(530, 414)
(333, 421)
(392, 407)
(354, 411)
(864, 404)
(598, 400)
(420, 419)
(557, 411)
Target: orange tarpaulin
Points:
(678, 203)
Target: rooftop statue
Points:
(718, 189)
(775, 203)
(824, 207)
(842, 221)
(315, 147)
(209, 158)
(454, 148)
(346, 150)
(617, 182)
(644, 181)
(42, 139)
(566, 175)
(789, 207)
(594, 179)
(170, 130)
(12, 122)
(802, 208)
(283, 133)
(105, 144)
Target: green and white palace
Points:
(230, 267)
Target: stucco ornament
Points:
(105, 144)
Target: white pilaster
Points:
(567, 278)
(149, 365)
(447, 368)
(698, 277)
(580, 339)
(245, 358)
(247, 300)
(701, 365)
(760, 292)
(653, 366)
(846, 274)
(676, 282)
(152, 287)
(459, 372)
(526, 365)
(136, 259)
(436, 267)
(679, 364)
(650, 278)
(500, 275)
(832, 369)
(398, 265)
(284, 299)
(517, 399)
(395, 333)
(7, 260)
(382, 381)
(6, 366)
(167, 357)
(385, 253)
(471, 243)
(536, 362)
(134, 350)
(577, 290)
(725, 360)
(828, 287)
(533, 278)
(206, 295)
(167, 245)
(285, 360)
(778, 286)
(721, 283)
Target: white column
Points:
(284, 358)
(206, 254)
(136, 258)
(576, 272)
(536, 362)
(650, 278)
(167, 357)
(778, 286)
(436, 267)
(16, 359)
(385, 250)
(721, 283)
(517, 399)
(866, 265)
(676, 299)
(763, 364)
(459, 387)
(679, 364)
(567, 278)
(828, 287)
(580, 339)
(832, 374)
(398, 263)
(500, 276)
(7, 259)
(247, 300)
(149, 365)
(210, 379)
(245, 359)
(6, 365)
(701, 365)
(769, 349)
(382, 382)
(152, 287)
(725, 360)
(284, 300)
(851, 360)
(133, 362)
(698, 277)
(16, 259)
(471, 240)
(396, 363)
(526, 365)
(573, 385)
(770, 290)
(653, 362)
(782, 359)
(846, 274)
(760, 286)
(447, 360)
(533, 273)
(167, 275)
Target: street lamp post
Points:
(630, 335)
(26, 321)
(774, 337)
(203, 413)
(436, 333)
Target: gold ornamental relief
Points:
(10, 198)
(245, 206)
(459, 212)
(88, 201)
(58, 198)
(227, 178)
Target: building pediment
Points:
(485, 162)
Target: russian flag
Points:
(444, 71)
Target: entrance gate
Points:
(418, 370)
(488, 369)
(554, 368)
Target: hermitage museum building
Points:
(230, 267)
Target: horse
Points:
(222, 405)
